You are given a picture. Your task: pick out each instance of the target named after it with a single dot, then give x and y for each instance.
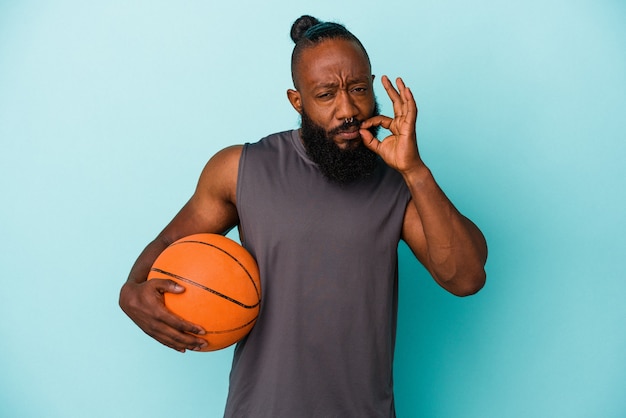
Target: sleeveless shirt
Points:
(324, 340)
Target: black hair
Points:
(307, 31)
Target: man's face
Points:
(335, 94)
(334, 83)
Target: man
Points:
(322, 210)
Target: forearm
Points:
(141, 267)
(453, 250)
(139, 272)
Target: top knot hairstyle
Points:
(308, 31)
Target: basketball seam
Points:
(226, 331)
(203, 287)
(228, 254)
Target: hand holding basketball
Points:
(222, 285)
(144, 304)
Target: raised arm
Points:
(448, 244)
(211, 209)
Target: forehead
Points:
(333, 60)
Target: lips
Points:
(349, 135)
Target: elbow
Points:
(466, 283)
(469, 284)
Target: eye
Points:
(359, 89)
(324, 96)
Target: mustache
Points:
(345, 127)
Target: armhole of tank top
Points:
(239, 190)
(407, 198)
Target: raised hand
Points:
(398, 150)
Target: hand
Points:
(144, 304)
(398, 150)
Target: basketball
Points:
(222, 286)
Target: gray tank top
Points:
(324, 340)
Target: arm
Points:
(212, 209)
(448, 244)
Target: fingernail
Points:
(200, 347)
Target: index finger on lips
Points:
(379, 120)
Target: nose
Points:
(346, 108)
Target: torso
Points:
(323, 343)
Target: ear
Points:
(295, 100)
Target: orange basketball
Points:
(222, 287)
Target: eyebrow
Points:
(333, 84)
(327, 85)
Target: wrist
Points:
(417, 176)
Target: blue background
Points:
(109, 111)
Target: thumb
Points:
(167, 286)
(369, 140)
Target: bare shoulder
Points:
(227, 158)
(219, 176)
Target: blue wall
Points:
(109, 110)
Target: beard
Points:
(341, 166)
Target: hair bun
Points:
(301, 25)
